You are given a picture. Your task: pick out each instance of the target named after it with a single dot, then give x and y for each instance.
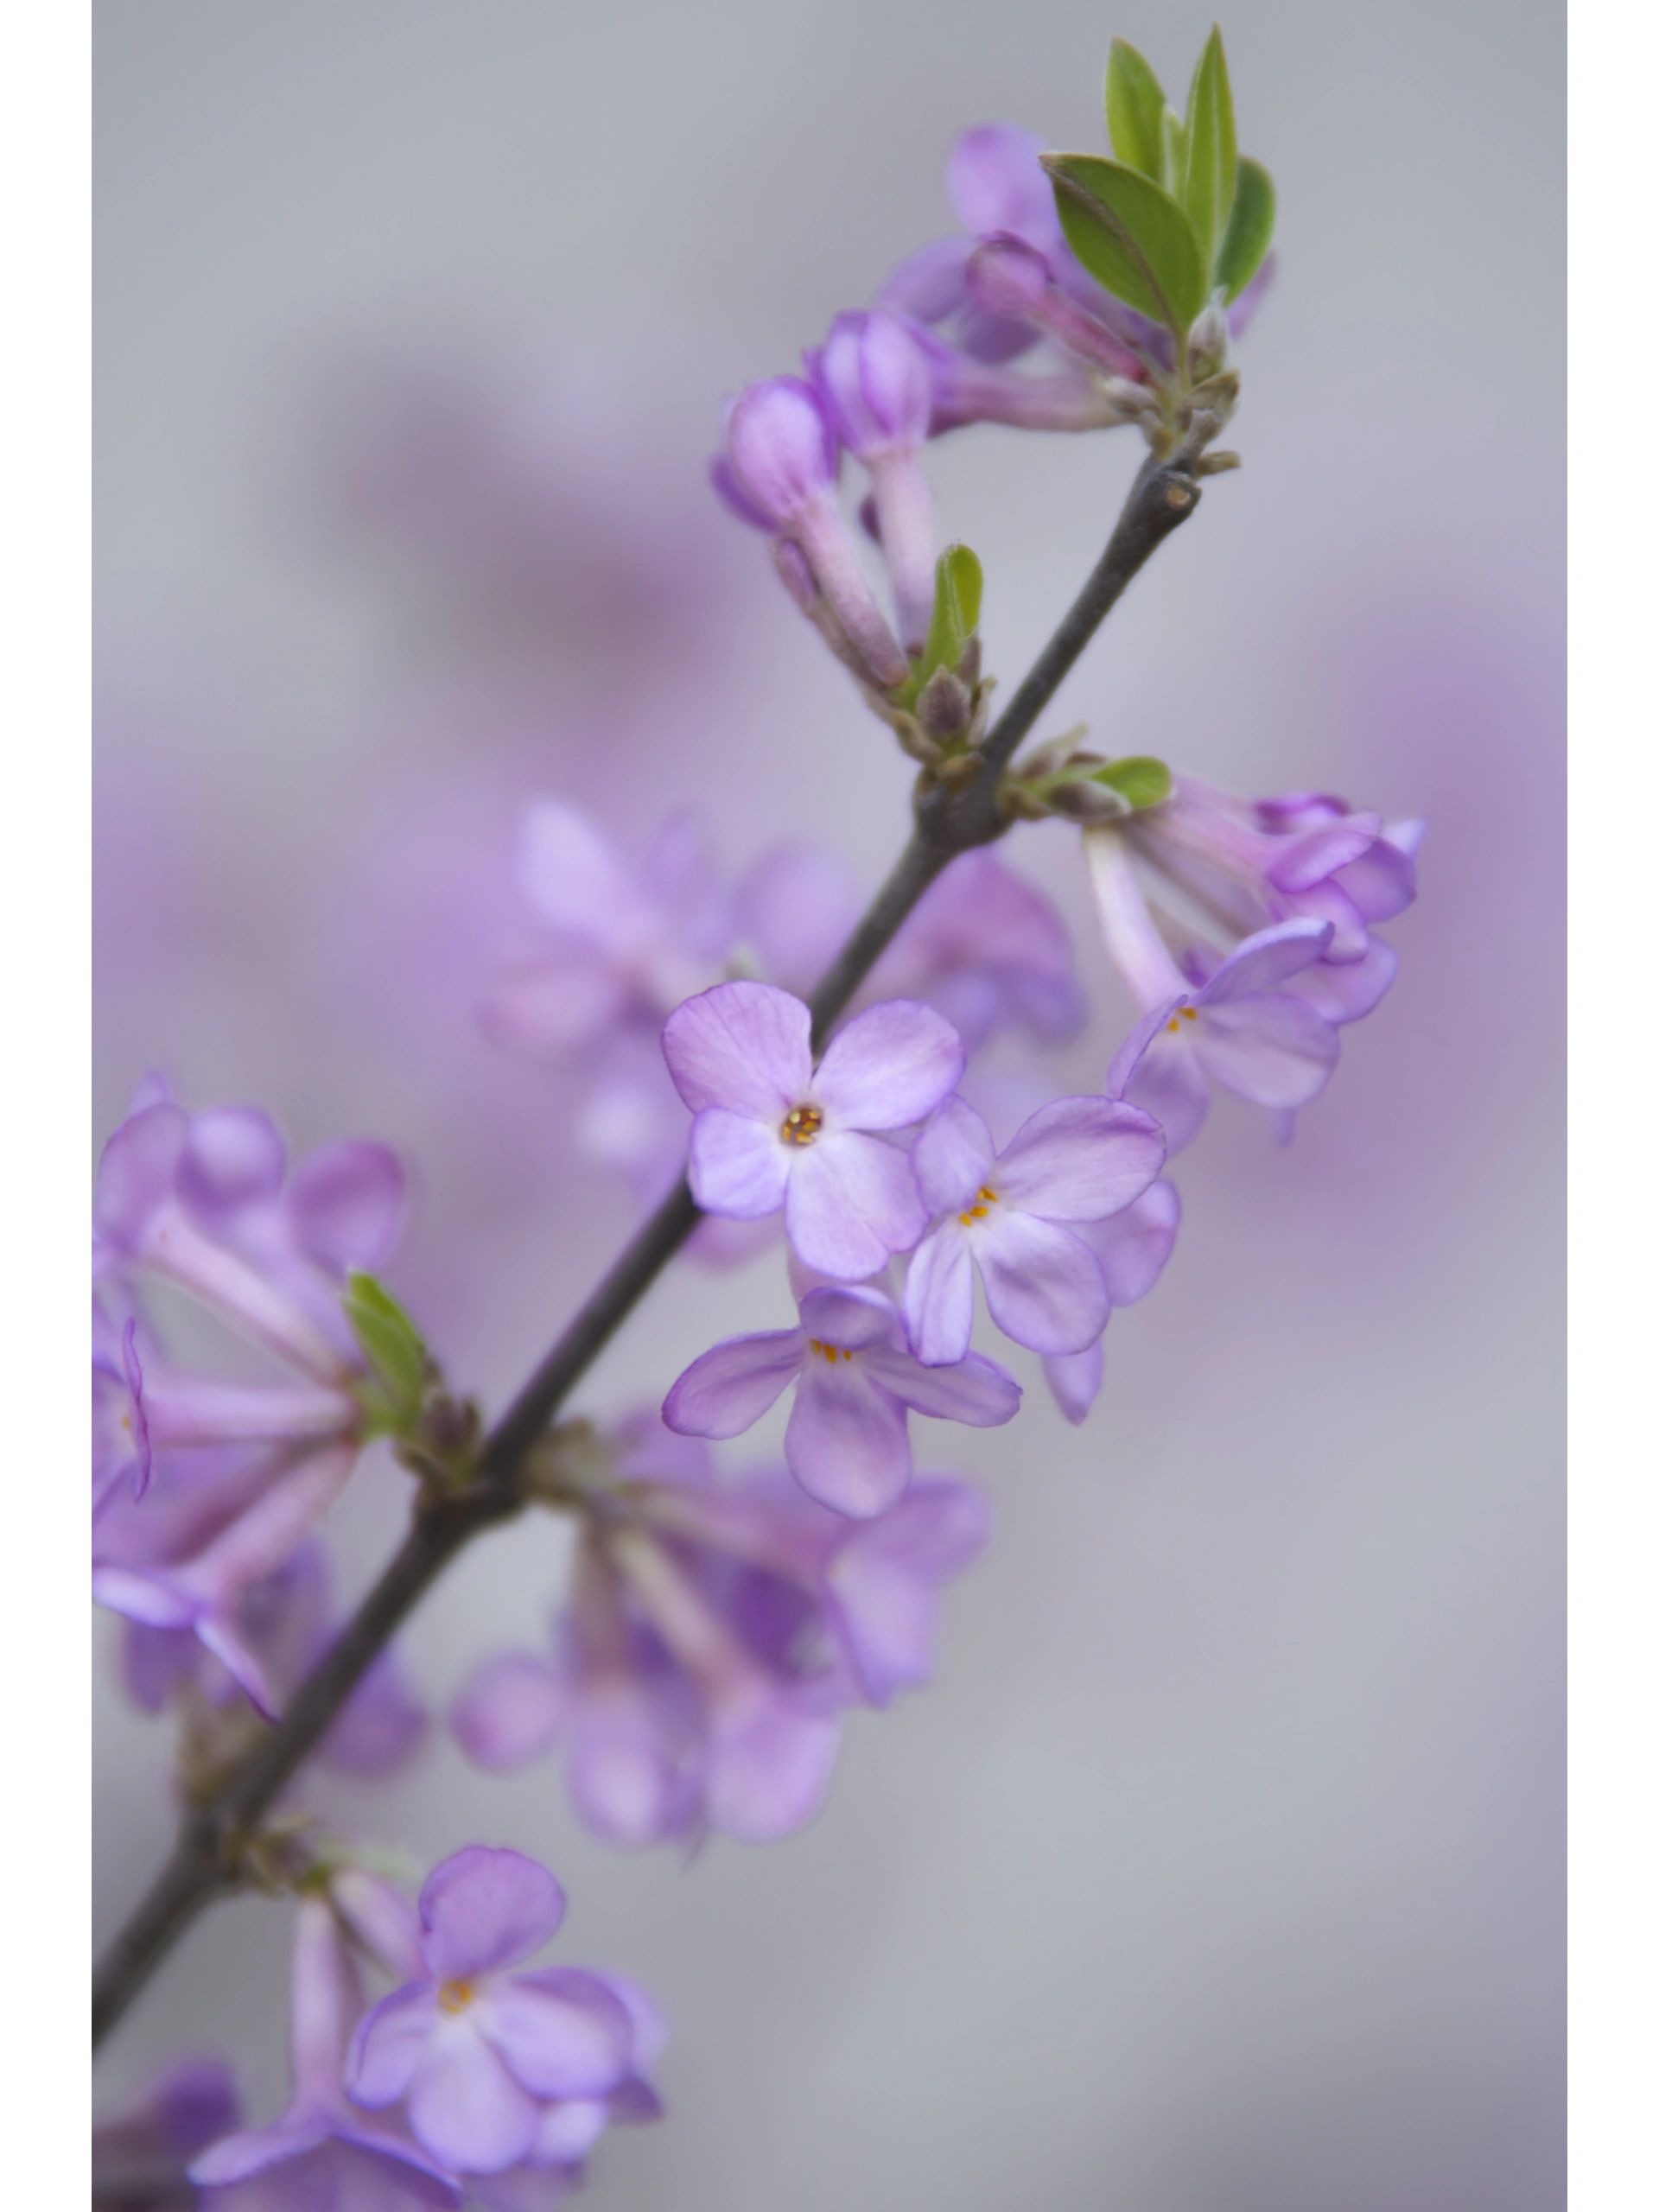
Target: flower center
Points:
(1186, 1013)
(454, 1996)
(831, 1353)
(800, 1125)
(982, 1207)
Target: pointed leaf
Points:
(959, 585)
(1249, 233)
(391, 1344)
(1211, 165)
(1130, 236)
(1174, 141)
(1134, 111)
(1140, 779)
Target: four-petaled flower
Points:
(773, 1129)
(474, 2051)
(1004, 1213)
(856, 1384)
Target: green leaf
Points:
(1140, 779)
(1134, 111)
(391, 1344)
(1173, 134)
(958, 587)
(1249, 233)
(1130, 236)
(1210, 170)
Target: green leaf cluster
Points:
(1178, 215)
(393, 1348)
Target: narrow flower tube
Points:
(871, 377)
(1007, 278)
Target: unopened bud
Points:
(945, 706)
(1208, 341)
(1088, 802)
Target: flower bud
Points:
(780, 452)
(873, 380)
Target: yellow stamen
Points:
(454, 1996)
(800, 1125)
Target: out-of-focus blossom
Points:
(287, 1621)
(771, 1130)
(1208, 1020)
(1133, 1248)
(856, 1382)
(1007, 1215)
(140, 2160)
(321, 2153)
(713, 1638)
(473, 2049)
(204, 1203)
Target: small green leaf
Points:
(1210, 170)
(1249, 233)
(1173, 135)
(958, 587)
(1140, 779)
(1134, 111)
(1130, 236)
(391, 1344)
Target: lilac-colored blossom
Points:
(322, 2152)
(855, 1383)
(779, 471)
(1007, 1217)
(140, 2159)
(772, 1129)
(474, 2051)
(1228, 1021)
(712, 1639)
(872, 378)
(1132, 1247)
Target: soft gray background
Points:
(1221, 1873)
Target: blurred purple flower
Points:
(855, 1381)
(139, 2160)
(477, 2051)
(712, 1639)
(771, 1130)
(1007, 1215)
(320, 2152)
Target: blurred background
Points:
(1221, 1870)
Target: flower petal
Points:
(769, 1768)
(233, 1157)
(1265, 961)
(1348, 991)
(885, 1578)
(889, 1066)
(951, 1156)
(484, 1909)
(509, 1712)
(1169, 1085)
(561, 2032)
(850, 1317)
(1074, 1378)
(939, 1296)
(1079, 1159)
(387, 2045)
(1043, 1285)
(738, 1166)
(746, 1046)
(1133, 1246)
(464, 2104)
(728, 1388)
(346, 1203)
(852, 1204)
(976, 1390)
(848, 1443)
(1272, 1049)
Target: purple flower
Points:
(204, 1201)
(856, 1382)
(618, 943)
(711, 1640)
(139, 2161)
(320, 2151)
(1013, 282)
(1132, 1247)
(873, 380)
(286, 1623)
(1006, 1214)
(779, 472)
(1228, 1021)
(474, 2051)
(772, 1129)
